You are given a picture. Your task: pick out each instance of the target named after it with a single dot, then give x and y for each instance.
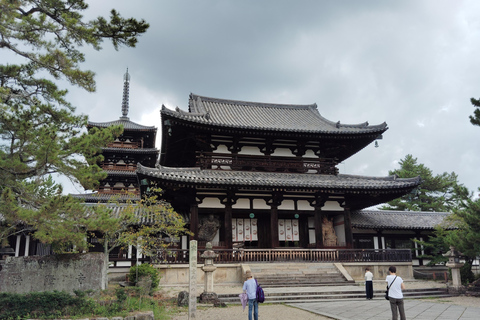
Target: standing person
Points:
(250, 287)
(396, 285)
(368, 284)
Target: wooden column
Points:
(348, 228)
(318, 228)
(228, 202)
(228, 226)
(318, 203)
(274, 202)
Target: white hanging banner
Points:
(296, 235)
(234, 230)
(281, 229)
(288, 230)
(253, 223)
(239, 229)
(248, 230)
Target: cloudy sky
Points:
(414, 64)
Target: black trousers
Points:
(369, 289)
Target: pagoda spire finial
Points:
(126, 85)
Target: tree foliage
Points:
(151, 225)
(441, 192)
(475, 119)
(40, 134)
(466, 238)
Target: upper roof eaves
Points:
(276, 179)
(127, 124)
(386, 219)
(265, 116)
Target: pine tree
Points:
(441, 192)
(40, 133)
(475, 119)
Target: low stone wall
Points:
(178, 274)
(65, 272)
(379, 270)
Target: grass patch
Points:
(114, 302)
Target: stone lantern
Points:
(208, 295)
(454, 264)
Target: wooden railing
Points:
(178, 256)
(265, 163)
(119, 166)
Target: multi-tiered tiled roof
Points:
(265, 116)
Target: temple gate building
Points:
(261, 175)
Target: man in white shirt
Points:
(395, 285)
(369, 284)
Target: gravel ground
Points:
(279, 311)
(265, 312)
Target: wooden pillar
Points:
(274, 202)
(228, 225)
(228, 202)
(318, 203)
(194, 220)
(318, 228)
(274, 242)
(348, 228)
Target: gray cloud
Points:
(412, 64)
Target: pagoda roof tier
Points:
(125, 122)
(105, 197)
(131, 150)
(269, 180)
(265, 117)
(122, 173)
(404, 220)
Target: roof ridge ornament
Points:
(126, 85)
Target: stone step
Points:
(290, 297)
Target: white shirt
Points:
(395, 290)
(368, 276)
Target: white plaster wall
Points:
(250, 150)
(310, 154)
(287, 205)
(221, 149)
(211, 203)
(242, 204)
(283, 152)
(332, 206)
(260, 204)
(304, 205)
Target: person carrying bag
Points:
(394, 293)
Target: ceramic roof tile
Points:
(130, 150)
(265, 116)
(127, 124)
(104, 197)
(386, 219)
(275, 179)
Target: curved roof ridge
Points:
(195, 97)
(369, 211)
(127, 124)
(385, 178)
(266, 116)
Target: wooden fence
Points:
(178, 256)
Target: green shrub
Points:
(467, 274)
(145, 269)
(52, 304)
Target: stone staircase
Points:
(271, 275)
(292, 295)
